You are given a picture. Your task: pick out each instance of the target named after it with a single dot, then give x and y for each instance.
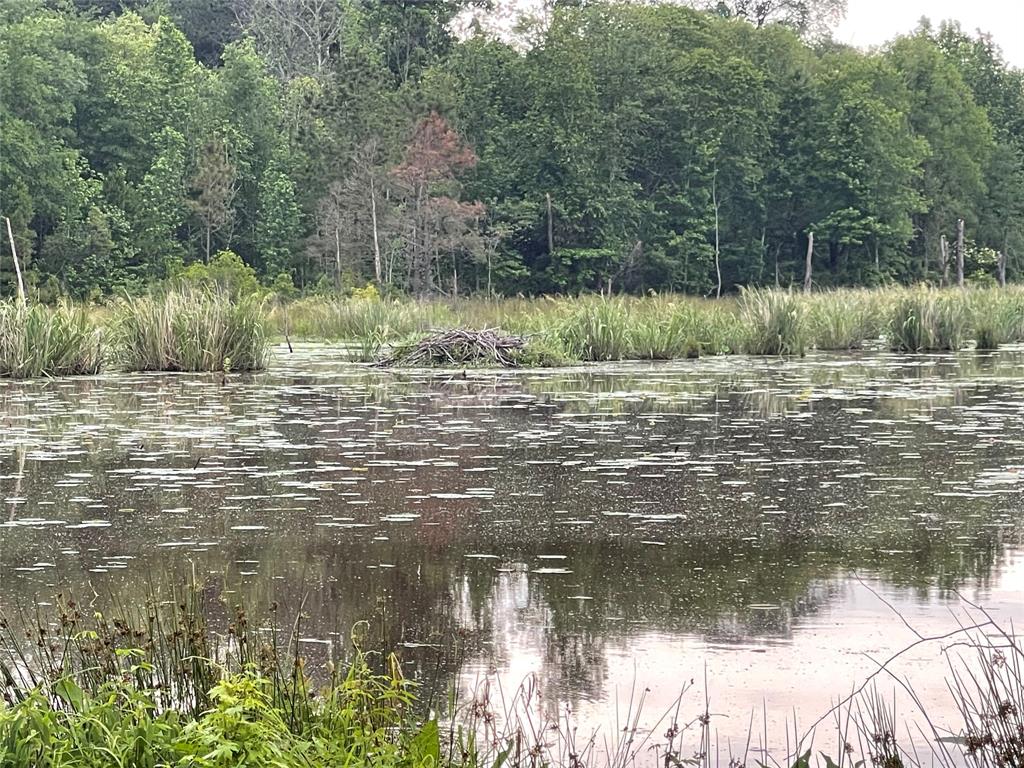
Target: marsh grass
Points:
(196, 329)
(357, 318)
(38, 341)
(774, 322)
(191, 330)
(844, 320)
(670, 327)
(927, 319)
(997, 317)
(598, 330)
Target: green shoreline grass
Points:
(201, 329)
(599, 329)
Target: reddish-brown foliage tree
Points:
(434, 222)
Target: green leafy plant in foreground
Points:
(154, 688)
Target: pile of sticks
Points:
(458, 347)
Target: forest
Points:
(443, 147)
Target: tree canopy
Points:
(625, 146)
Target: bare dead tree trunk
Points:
(376, 238)
(944, 250)
(337, 257)
(764, 253)
(718, 250)
(1002, 268)
(960, 253)
(17, 264)
(808, 264)
(551, 228)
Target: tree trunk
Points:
(807, 264)
(337, 258)
(944, 250)
(376, 240)
(1002, 268)
(551, 229)
(764, 254)
(960, 253)
(17, 264)
(718, 250)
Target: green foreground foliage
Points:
(154, 686)
(605, 145)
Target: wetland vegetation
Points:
(470, 522)
(155, 686)
(512, 371)
(197, 327)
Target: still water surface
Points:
(605, 528)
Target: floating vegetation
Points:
(714, 506)
(191, 330)
(37, 341)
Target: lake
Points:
(766, 529)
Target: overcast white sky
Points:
(872, 22)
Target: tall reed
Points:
(191, 330)
(775, 322)
(37, 340)
(997, 317)
(927, 319)
(845, 319)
